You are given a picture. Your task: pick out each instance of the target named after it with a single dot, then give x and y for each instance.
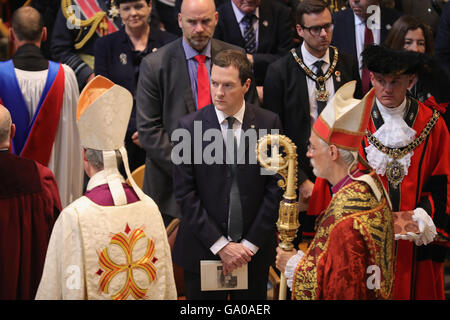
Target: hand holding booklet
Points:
(212, 277)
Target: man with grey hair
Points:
(30, 204)
(111, 243)
(41, 96)
(355, 234)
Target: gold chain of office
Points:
(394, 170)
(322, 93)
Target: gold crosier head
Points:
(282, 160)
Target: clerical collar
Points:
(346, 180)
(100, 178)
(4, 150)
(29, 58)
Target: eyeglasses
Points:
(316, 30)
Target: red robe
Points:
(354, 235)
(29, 206)
(419, 269)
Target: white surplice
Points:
(65, 162)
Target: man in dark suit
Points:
(168, 88)
(269, 33)
(442, 42)
(364, 23)
(291, 91)
(118, 56)
(229, 208)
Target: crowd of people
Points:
(92, 90)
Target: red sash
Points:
(39, 144)
(90, 8)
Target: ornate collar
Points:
(322, 93)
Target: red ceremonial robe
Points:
(351, 255)
(419, 269)
(29, 206)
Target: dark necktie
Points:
(249, 34)
(203, 93)
(319, 73)
(235, 223)
(365, 76)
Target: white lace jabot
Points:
(394, 133)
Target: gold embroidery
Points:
(109, 269)
(373, 219)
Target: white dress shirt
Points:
(360, 29)
(309, 60)
(239, 16)
(237, 129)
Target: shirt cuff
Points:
(218, 245)
(250, 245)
(291, 265)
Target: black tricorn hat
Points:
(384, 60)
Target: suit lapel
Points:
(350, 27)
(303, 86)
(336, 84)
(247, 123)
(231, 23)
(264, 27)
(180, 67)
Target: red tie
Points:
(365, 78)
(203, 93)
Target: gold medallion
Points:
(395, 173)
(322, 95)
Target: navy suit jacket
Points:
(344, 28)
(110, 48)
(163, 96)
(202, 192)
(442, 42)
(274, 35)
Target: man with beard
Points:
(408, 145)
(355, 234)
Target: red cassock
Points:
(419, 269)
(29, 206)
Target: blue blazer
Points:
(113, 55)
(274, 35)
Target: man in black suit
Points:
(291, 91)
(229, 208)
(168, 89)
(270, 23)
(364, 23)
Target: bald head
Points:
(5, 127)
(197, 20)
(27, 24)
